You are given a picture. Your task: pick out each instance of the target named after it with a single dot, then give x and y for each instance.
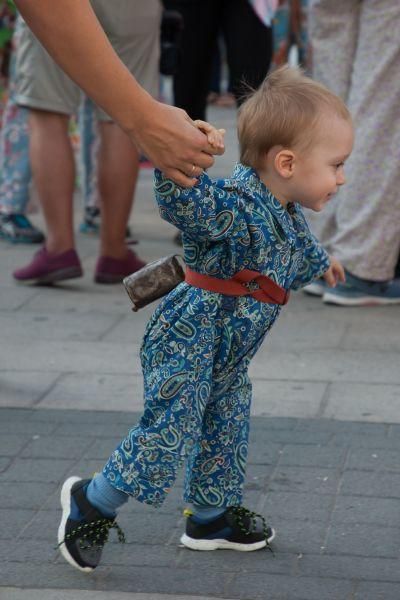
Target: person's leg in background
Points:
(51, 98)
(333, 29)
(15, 168)
(53, 167)
(89, 134)
(15, 178)
(134, 32)
(202, 21)
(214, 91)
(117, 176)
(249, 45)
(89, 138)
(367, 236)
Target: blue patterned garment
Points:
(198, 344)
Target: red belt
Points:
(243, 283)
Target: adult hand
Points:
(170, 139)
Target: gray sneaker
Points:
(361, 292)
(316, 288)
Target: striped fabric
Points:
(265, 10)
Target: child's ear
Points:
(284, 163)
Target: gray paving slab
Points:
(62, 356)
(88, 391)
(376, 402)
(25, 389)
(32, 594)
(49, 326)
(354, 366)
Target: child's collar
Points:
(250, 180)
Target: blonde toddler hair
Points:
(283, 111)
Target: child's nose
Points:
(340, 178)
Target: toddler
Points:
(246, 244)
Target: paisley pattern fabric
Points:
(198, 344)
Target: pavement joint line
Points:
(48, 390)
(324, 401)
(118, 320)
(77, 594)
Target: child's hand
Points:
(215, 136)
(335, 273)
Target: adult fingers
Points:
(180, 177)
(203, 160)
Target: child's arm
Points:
(315, 264)
(335, 273)
(208, 210)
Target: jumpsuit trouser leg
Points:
(186, 415)
(215, 471)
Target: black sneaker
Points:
(17, 229)
(81, 542)
(91, 220)
(236, 529)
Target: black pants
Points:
(248, 44)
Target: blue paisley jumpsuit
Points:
(198, 344)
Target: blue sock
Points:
(204, 514)
(75, 513)
(103, 496)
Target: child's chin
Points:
(318, 207)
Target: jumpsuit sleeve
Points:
(206, 211)
(315, 258)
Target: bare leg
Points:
(118, 170)
(53, 169)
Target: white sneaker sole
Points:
(66, 507)
(314, 289)
(329, 298)
(223, 544)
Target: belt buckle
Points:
(251, 286)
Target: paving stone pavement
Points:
(324, 463)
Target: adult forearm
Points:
(71, 33)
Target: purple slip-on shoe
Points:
(49, 268)
(113, 270)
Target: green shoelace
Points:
(94, 534)
(241, 513)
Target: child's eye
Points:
(338, 165)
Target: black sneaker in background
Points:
(81, 542)
(18, 229)
(91, 220)
(236, 529)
